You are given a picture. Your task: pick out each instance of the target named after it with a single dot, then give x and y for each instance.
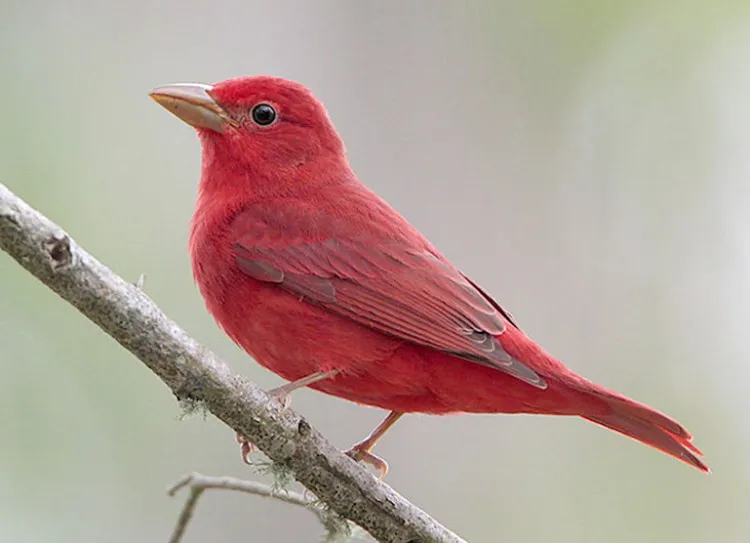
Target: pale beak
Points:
(193, 103)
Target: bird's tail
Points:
(648, 426)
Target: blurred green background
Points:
(587, 162)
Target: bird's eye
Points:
(263, 114)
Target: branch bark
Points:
(194, 373)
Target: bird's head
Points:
(254, 122)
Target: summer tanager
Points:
(323, 283)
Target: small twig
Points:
(141, 282)
(198, 483)
(187, 510)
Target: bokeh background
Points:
(587, 162)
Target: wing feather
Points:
(387, 285)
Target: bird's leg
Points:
(282, 395)
(361, 451)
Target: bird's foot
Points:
(283, 396)
(245, 448)
(361, 453)
(283, 393)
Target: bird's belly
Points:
(295, 338)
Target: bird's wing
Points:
(385, 284)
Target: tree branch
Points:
(194, 373)
(197, 484)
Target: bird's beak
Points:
(193, 103)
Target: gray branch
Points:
(194, 373)
(338, 529)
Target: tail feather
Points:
(648, 426)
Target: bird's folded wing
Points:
(398, 290)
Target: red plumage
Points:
(310, 271)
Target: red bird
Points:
(323, 283)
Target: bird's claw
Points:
(283, 397)
(361, 453)
(246, 448)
